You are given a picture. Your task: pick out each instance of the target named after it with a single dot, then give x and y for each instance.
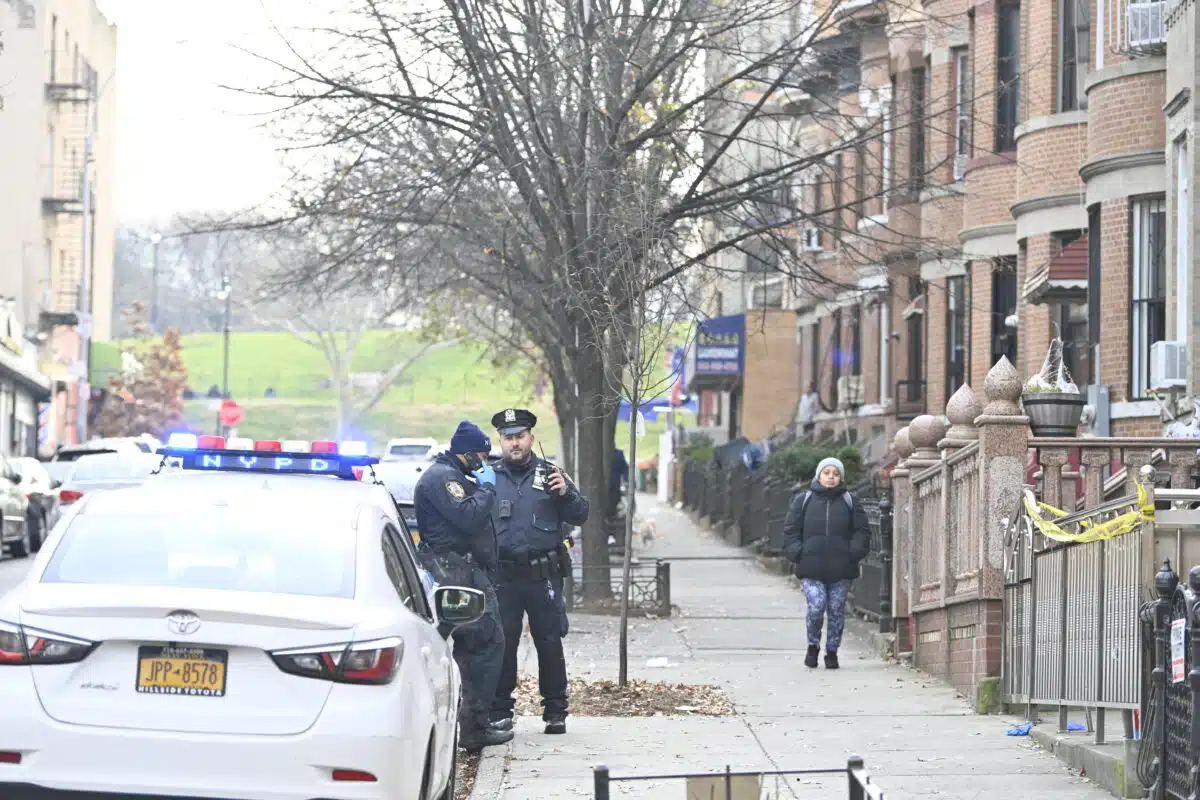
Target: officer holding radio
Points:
(534, 500)
(454, 501)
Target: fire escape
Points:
(63, 198)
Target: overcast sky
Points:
(183, 142)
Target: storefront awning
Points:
(1063, 279)
(14, 368)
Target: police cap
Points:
(513, 420)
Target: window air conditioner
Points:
(1168, 365)
(1145, 23)
(850, 391)
(812, 240)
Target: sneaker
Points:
(556, 726)
(502, 724)
(475, 741)
(831, 661)
(810, 660)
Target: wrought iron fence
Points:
(751, 506)
(649, 587)
(730, 785)
(1169, 765)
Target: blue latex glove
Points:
(485, 474)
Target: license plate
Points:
(192, 671)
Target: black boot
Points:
(556, 725)
(831, 661)
(810, 660)
(475, 740)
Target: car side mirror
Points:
(458, 605)
(55, 484)
(13, 478)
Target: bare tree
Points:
(509, 133)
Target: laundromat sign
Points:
(720, 345)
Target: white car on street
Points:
(262, 636)
(410, 450)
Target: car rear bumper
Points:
(78, 762)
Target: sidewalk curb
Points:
(489, 779)
(1104, 765)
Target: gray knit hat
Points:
(831, 462)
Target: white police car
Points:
(250, 623)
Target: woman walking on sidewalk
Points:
(825, 536)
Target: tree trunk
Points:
(593, 482)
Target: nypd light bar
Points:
(201, 459)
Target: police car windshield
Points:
(408, 450)
(223, 548)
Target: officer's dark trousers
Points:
(479, 652)
(547, 624)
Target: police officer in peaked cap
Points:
(453, 500)
(534, 500)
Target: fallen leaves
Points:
(468, 768)
(604, 698)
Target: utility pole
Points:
(155, 240)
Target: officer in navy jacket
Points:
(534, 501)
(453, 501)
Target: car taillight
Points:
(69, 496)
(19, 645)
(372, 662)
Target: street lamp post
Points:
(155, 240)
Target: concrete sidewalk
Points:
(742, 629)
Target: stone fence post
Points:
(1003, 450)
(901, 537)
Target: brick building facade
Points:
(1029, 178)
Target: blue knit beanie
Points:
(469, 438)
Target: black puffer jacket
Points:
(827, 544)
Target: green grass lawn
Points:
(442, 388)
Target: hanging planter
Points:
(1051, 399)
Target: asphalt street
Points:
(11, 572)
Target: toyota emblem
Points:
(183, 623)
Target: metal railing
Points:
(1074, 611)
(649, 587)
(722, 785)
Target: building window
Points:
(814, 355)
(1008, 75)
(956, 333)
(818, 211)
(1072, 319)
(1148, 271)
(889, 114)
(916, 153)
(885, 346)
(855, 340)
(1004, 305)
(1183, 263)
(1093, 290)
(962, 106)
(860, 181)
(915, 325)
(835, 361)
(838, 211)
(1068, 60)
(767, 293)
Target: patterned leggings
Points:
(826, 598)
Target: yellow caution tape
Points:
(1092, 531)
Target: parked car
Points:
(410, 450)
(42, 492)
(106, 471)
(14, 511)
(120, 444)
